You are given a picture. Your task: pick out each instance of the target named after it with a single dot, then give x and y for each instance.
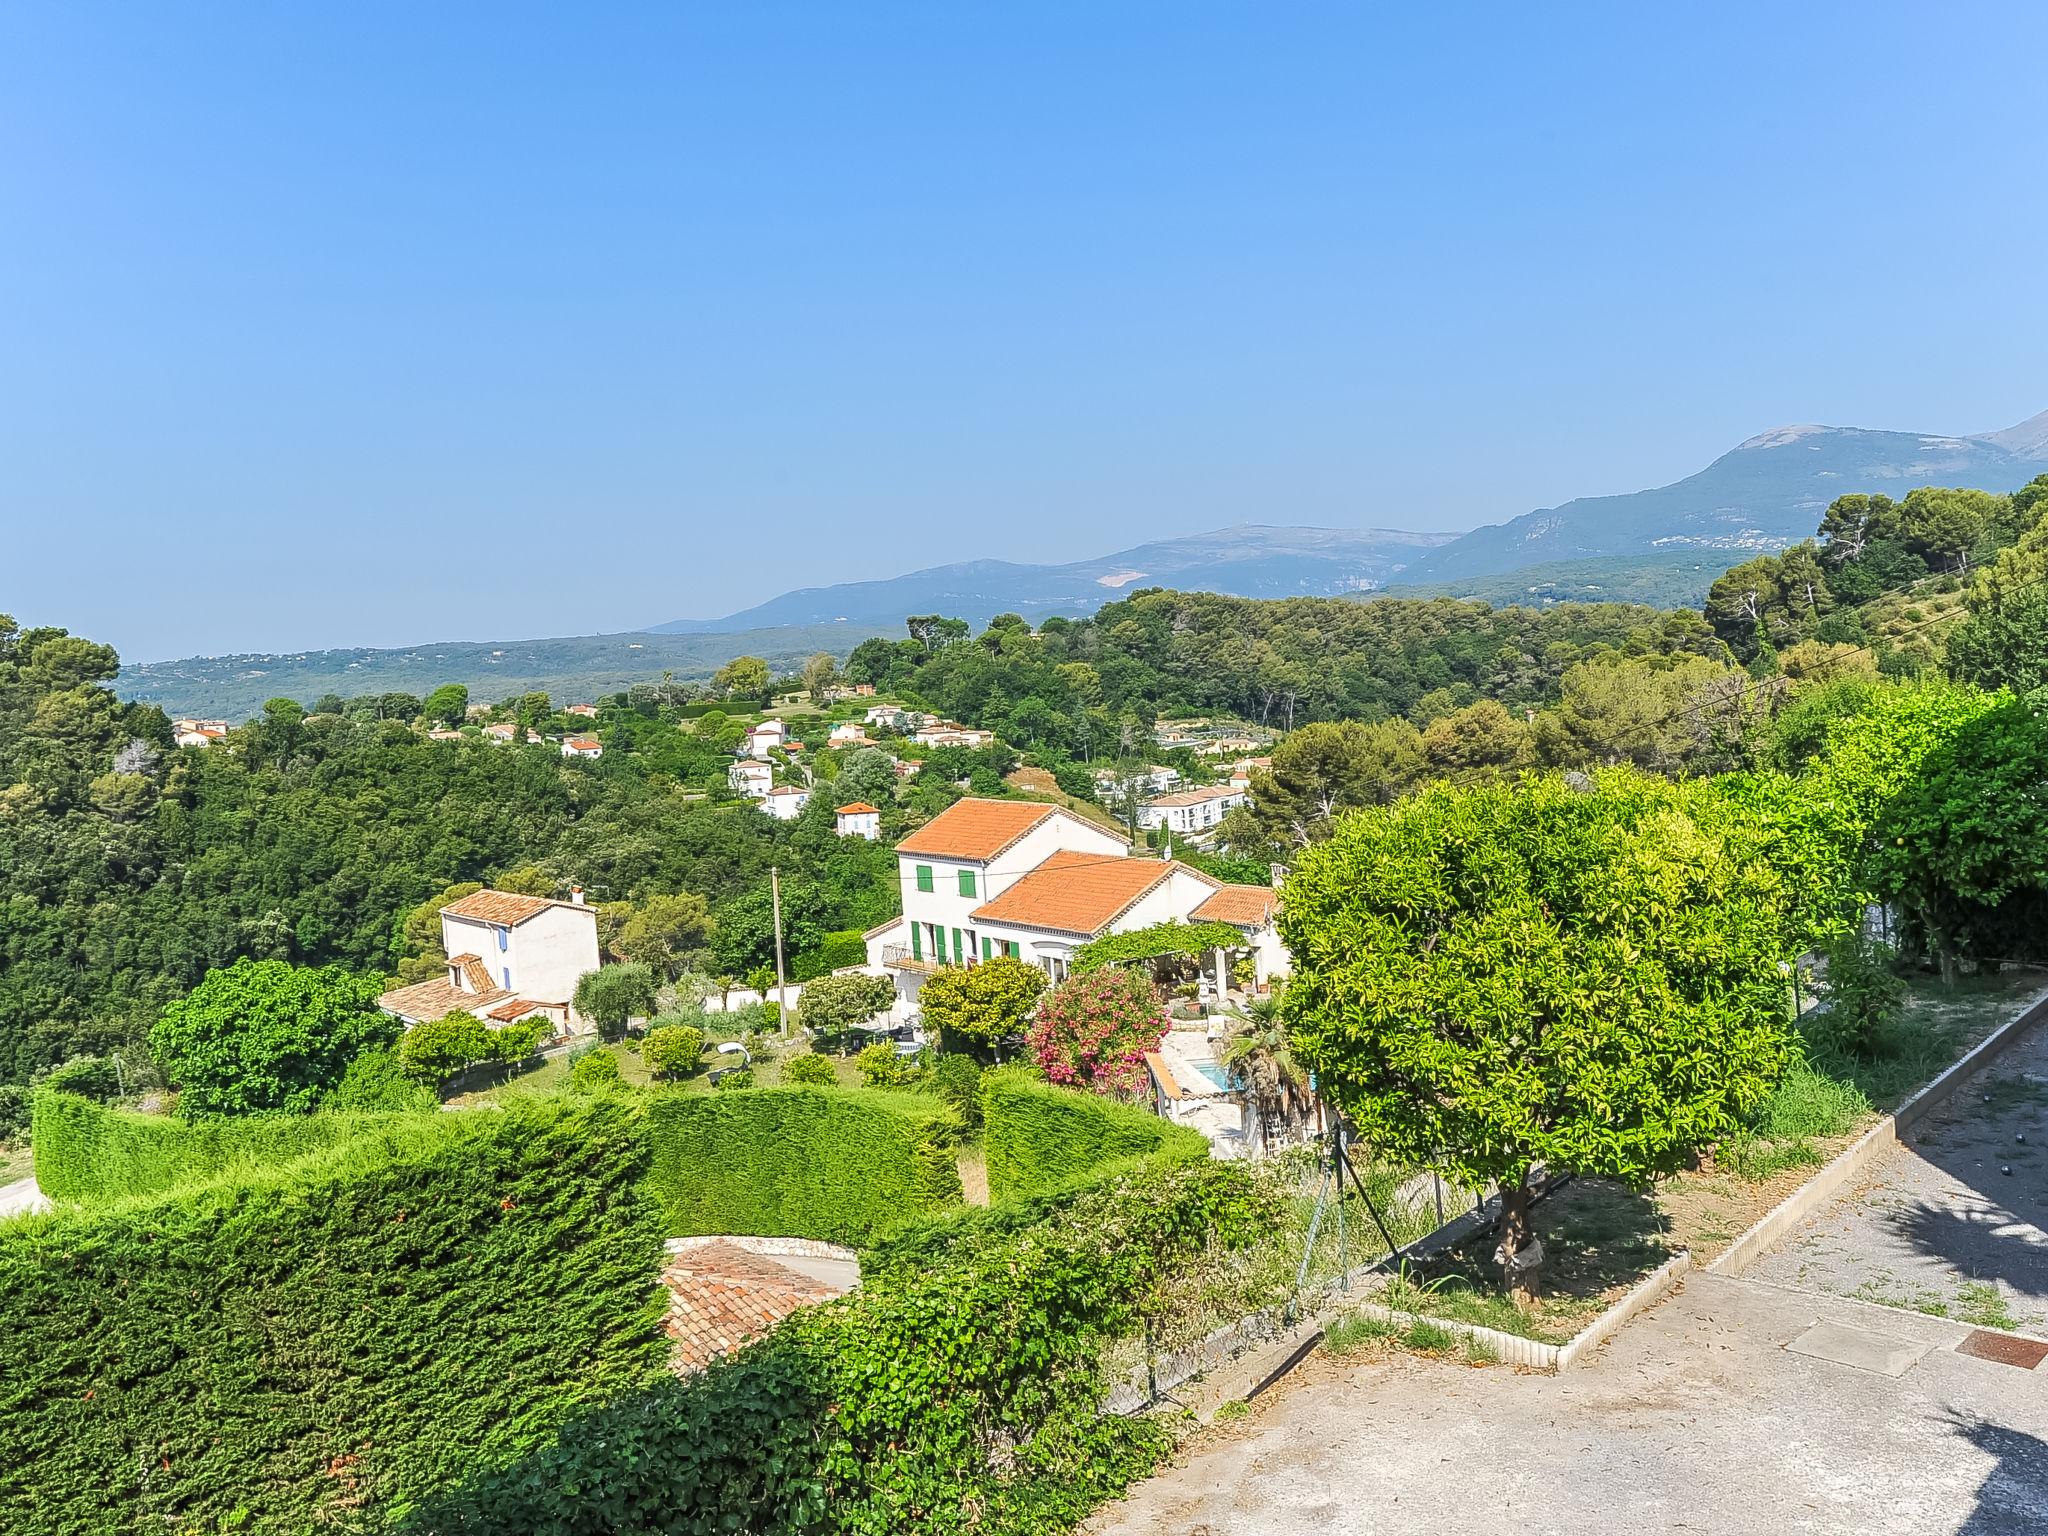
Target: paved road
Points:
(1956, 1221)
(22, 1195)
(1698, 1418)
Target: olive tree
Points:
(610, 996)
(1496, 976)
(831, 1005)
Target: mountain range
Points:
(1664, 545)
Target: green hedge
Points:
(961, 1393)
(92, 1154)
(1040, 1139)
(834, 952)
(323, 1345)
(841, 1164)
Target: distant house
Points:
(199, 735)
(509, 956)
(896, 718)
(849, 734)
(785, 802)
(1156, 780)
(1191, 811)
(1242, 770)
(950, 733)
(849, 691)
(582, 711)
(582, 746)
(859, 820)
(444, 735)
(765, 737)
(904, 769)
(506, 732)
(750, 778)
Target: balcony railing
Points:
(897, 957)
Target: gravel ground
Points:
(1942, 1226)
(1697, 1418)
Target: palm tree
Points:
(1262, 1064)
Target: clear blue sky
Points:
(329, 324)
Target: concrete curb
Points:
(1873, 1145)
(1650, 1290)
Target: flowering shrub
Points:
(1093, 1031)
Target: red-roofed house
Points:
(582, 746)
(508, 956)
(859, 820)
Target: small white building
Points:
(785, 802)
(582, 746)
(582, 711)
(765, 737)
(859, 820)
(1155, 780)
(896, 718)
(1191, 812)
(750, 778)
(503, 732)
(509, 956)
(200, 735)
(949, 733)
(849, 733)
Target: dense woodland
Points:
(129, 868)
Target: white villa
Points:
(764, 737)
(1190, 812)
(1155, 780)
(508, 956)
(990, 877)
(859, 820)
(582, 746)
(750, 778)
(582, 711)
(785, 802)
(950, 733)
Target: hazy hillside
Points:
(1762, 495)
(1246, 561)
(569, 669)
(1663, 579)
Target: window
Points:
(966, 882)
(924, 877)
(504, 938)
(987, 947)
(956, 946)
(1010, 948)
(917, 941)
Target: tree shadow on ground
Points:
(2013, 1498)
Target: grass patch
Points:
(1228, 1413)
(1983, 1305)
(17, 1161)
(1354, 1331)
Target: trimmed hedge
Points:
(1040, 1139)
(841, 1164)
(960, 1393)
(92, 1154)
(326, 1344)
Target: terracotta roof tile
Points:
(503, 907)
(518, 1008)
(437, 999)
(1079, 893)
(858, 808)
(1248, 906)
(976, 829)
(721, 1296)
(1195, 796)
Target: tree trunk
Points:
(1520, 1253)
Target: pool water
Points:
(1215, 1073)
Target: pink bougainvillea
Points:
(1093, 1031)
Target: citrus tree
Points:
(981, 1004)
(1492, 977)
(434, 1050)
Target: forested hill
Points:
(1280, 663)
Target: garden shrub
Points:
(960, 1390)
(14, 1110)
(809, 1067)
(880, 1067)
(673, 1050)
(834, 952)
(1864, 996)
(735, 1079)
(1040, 1138)
(434, 1050)
(833, 1163)
(321, 1344)
(596, 1072)
(94, 1154)
(376, 1080)
(90, 1077)
(956, 1079)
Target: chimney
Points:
(576, 894)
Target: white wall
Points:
(545, 955)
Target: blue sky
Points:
(377, 323)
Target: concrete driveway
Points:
(20, 1197)
(1697, 1418)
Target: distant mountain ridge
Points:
(1761, 495)
(1249, 560)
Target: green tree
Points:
(1326, 768)
(868, 774)
(434, 1050)
(377, 1081)
(596, 1071)
(673, 1050)
(831, 1005)
(980, 1005)
(448, 704)
(264, 1035)
(809, 1067)
(665, 932)
(1492, 977)
(612, 995)
(744, 677)
(820, 673)
(2003, 643)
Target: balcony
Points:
(897, 957)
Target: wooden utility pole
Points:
(781, 985)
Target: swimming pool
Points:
(1215, 1073)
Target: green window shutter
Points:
(956, 946)
(987, 949)
(1010, 948)
(966, 882)
(916, 942)
(924, 877)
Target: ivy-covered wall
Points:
(92, 1154)
(839, 1164)
(1039, 1138)
(320, 1345)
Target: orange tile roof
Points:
(1079, 893)
(858, 808)
(477, 975)
(580, 742)
(436, 999)
(976, 829)
(1248, 906)
(518, 1008)
(720, 1296)
(503, 907)
(1194, 796)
